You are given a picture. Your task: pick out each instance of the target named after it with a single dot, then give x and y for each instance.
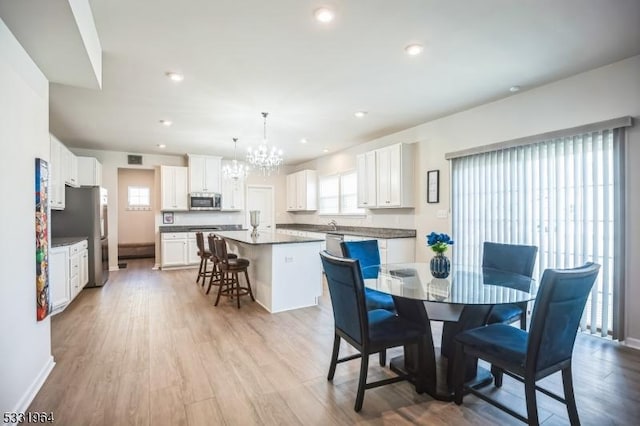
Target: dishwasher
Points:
(333, 244)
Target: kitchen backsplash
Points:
(209, 218)
(389, 218)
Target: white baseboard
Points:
(113, 268)
(30, 393)
(631, 343)
(156, 266)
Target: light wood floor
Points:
(151, 349)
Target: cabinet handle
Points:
(388, 202)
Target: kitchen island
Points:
(285, 271)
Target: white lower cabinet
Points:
(179, 249)
(59, 286)
(68, 273)
(173, 248)
(392, 250)
(192, 248)
(84, 267)
(397, 250)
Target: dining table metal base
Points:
(441, 390)
(432, 373)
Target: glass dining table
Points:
(462, 301)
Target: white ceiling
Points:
(243, 57)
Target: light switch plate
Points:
(442, 214)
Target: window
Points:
(562, 195)
(329, 195)
(338, 194)
(139, 198)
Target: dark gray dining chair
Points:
(518, 259)
(531, 356)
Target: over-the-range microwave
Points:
(205, 201)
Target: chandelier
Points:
(264, 158)
(235, 170)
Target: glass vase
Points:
(440, 266)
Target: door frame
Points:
(273, 204)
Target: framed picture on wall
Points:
(167, 218)
(433, 186)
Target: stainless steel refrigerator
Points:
(85, 215)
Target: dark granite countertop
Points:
(196, 228)
(65, 241)
(361, 231)
(264, 237)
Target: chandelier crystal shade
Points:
(235, 170)
(266, 159)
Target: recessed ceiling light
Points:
(325, 150)
(514, 89)
(161, 146)
(166, 123)
(303, 140)
(414, 49)
(174, 76)
(324, 15)
(360, 114)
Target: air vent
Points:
(134, 159)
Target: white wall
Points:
(25, 344)
(604, 93)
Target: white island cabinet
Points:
(285, 272)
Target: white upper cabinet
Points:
(366, 170)
(232, 194)
(204, 173)
(302, 191)
(173, 187)
(69, 163)
(89, 171)
(292, 195)
(386, 178)
(56, 180)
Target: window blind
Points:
(562, 195)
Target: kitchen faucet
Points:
(333, 224)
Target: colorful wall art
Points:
(43, 308)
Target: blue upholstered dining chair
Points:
(547, 348)
(369, 331)
(368, 254)
(519, 259)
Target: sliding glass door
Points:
(563, 195)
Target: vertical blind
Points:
(562, 195)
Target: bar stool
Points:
(205, 256)
(229, 269)
(216, 276)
